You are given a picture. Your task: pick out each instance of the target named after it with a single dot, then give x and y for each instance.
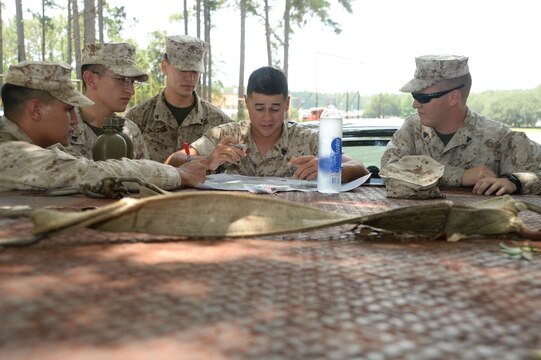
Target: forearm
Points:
(531, 182)
(178, 159)
(352, 170)
(50, 168)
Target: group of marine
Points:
(49, 129)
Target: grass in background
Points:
(368, 155)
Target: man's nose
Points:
(268, 114)
(130, 89)
(73, 117)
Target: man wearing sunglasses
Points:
(109, 76)
(476, 152)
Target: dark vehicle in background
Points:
(364, 139)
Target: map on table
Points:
(268, 184)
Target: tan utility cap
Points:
(119, 58)
(186, 52)
(413, 176)
(431, 69)
(55, 78)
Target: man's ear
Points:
(89, 77)
(163, 66)
(455, 98)
(288, 102)
(34, 108)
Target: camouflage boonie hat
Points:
(414, 176)
(55, 78)
(119, 58)
(186, 52)
(431, 69)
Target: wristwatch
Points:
(515, 180)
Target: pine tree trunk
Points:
(76, 38)
(198, 17)
(185, 17)
(209, 56)
(21, 52)
(206, 21)
(198, 20)
(1, 47)
(287, 31)
(90, 22)
(268, 33)
(70, 36)
(240, 101)
(43, 30)
(100, 20)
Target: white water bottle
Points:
(329, 176)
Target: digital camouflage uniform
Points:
(413, 176)
(160, 129)
(119, 58)
(294, 141)
(479, 141)
(24, 165)
(83, 138)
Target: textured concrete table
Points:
(338, 293)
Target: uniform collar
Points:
(10, 127)
(462, 136)
(190, 119)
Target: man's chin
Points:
(424, 120)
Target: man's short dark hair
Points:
(268, 81)
(15, 97)
(95, 68)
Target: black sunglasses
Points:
(425, 98)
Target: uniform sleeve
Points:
(137, 115)
(140, 150)
(402, 143)
(206, 144)
(26, 166)
(522, 157)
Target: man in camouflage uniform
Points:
(274, 146)
(39, 103)
(109, 74)
(177, 114)
(477, 152)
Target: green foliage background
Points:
(516, 108)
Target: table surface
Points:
(336, 293)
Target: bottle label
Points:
(336, 155)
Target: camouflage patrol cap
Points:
(414, 176)
(186, 52)
(119, 58)
(431, 69)
(55, 78)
